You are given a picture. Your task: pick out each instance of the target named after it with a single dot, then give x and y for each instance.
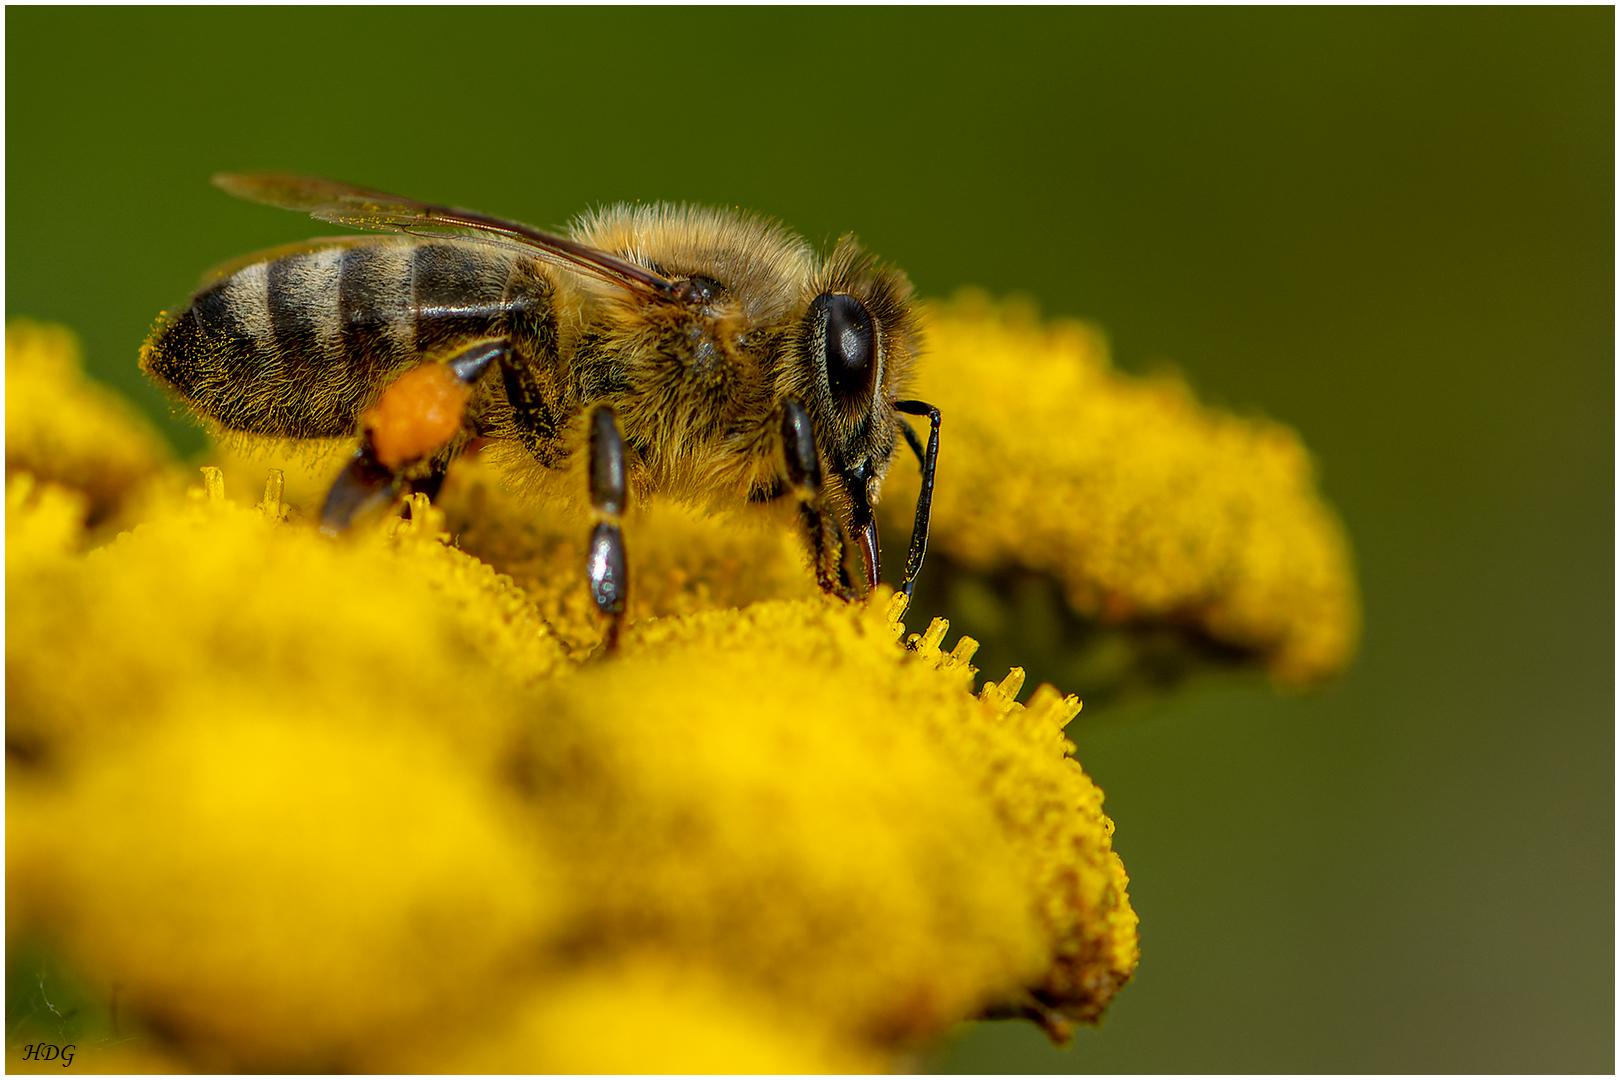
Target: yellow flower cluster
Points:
(1148, 508)
(62, 427)
(297, 803)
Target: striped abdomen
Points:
(298, 345)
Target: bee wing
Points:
(363, 208)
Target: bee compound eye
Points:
(846, 338)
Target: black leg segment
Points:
(845, 556)
(364, 485)
(610, 496)
(862, 538)
(799, 447)
(804, 481)
(470, 366)
(925, 498)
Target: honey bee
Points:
(704, 353)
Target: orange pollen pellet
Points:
(417, 415)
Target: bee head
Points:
(856, 343)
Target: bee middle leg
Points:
(406, 437)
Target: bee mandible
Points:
(704, 353)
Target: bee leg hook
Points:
(610, 496)
(416, 418)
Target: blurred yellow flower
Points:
(1148, 509)
(62, 427)
(288, 803)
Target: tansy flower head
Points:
(290, 802)
(1148, 509)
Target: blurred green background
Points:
(1392, 229)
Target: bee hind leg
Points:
(417, 417)
(610, 496)
(363, 485)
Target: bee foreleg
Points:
(827, 546)
(804, 481)
(414, 421)
(610, 496)
(927, 460)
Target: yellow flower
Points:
(1149, 509)
(284, 894)
(297, 803)
(61, 427)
